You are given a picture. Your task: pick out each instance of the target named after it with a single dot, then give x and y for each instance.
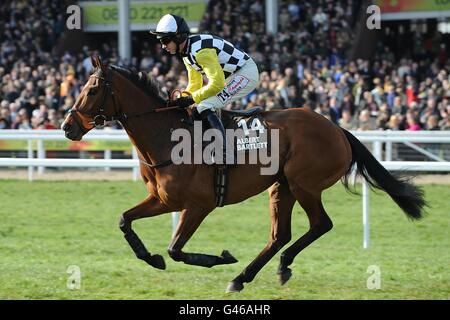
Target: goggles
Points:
(165, 40)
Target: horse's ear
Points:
(99, 63)
(102, 66)
(94, 62)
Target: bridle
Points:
(100, 119)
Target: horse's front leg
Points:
(190, 219)
(150, 207)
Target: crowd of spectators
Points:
(33, 86)
(303, 65)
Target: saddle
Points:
(231, 119)
(241, 113)
(226, 115)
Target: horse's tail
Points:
(407, 196)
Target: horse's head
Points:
(94, 105)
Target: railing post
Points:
(30, 156)
(40, 155)
(175, 219)
(388, 156)
(353, 176)
(107, 156)
(377, 152)
(365, 195)
(377, 149)
(135, 169)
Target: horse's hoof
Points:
(234, 287)
(284, 276)
(227, 257)
(156, 261)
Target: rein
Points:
(100, 118)
(124, 116)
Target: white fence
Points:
(377, 138)
(58, 135)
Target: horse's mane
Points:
(143, 81)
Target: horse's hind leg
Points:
(281, 204)
(319, 223)
(190, 220)
(148, 208)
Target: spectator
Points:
(395, 122)
(303, 65)
(365, 121)
(412, 122)
(432, 123)
(445, 123)
(22, 121)
(346, 121)
(4, 123)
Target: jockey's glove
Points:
(182, 102)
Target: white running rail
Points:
(374, 137)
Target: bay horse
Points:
(314, 154)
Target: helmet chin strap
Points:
(179, 53)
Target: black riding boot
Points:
(216, 123)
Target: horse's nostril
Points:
(65, 127)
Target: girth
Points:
(220, 188)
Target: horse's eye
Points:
(91, 92)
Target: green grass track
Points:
(47, 226)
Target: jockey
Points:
(232, 74)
